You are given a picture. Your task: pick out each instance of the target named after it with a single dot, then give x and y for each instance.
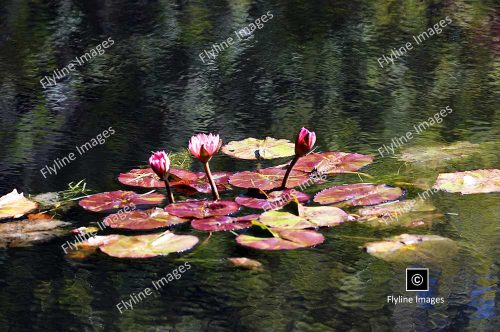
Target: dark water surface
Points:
(313, 64)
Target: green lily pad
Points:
(145, 246)
(284, 220)
(253, 148)
(358, 194)
(412, 248)
(470, 182)
(15, 205)
(201, 208)
(286, 240)
(114, 200)
(142, 220)
(332, 162)
(267, 179)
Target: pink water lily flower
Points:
(160, 164)
(304, 142)
(204, 146)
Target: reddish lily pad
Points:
(412, 247)
(15, 205)
(470, 182)
(253, 148)
(267, 179)
(333, 162)
(358, 194)
(113, 200)
(142, 220)
(223, 223)
(146, 178)
(145, 246)
(246, 263)
(276, 199)
(200, 183)
(202, 209)
(287, 240)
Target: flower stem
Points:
(212, 182)
(170, 196)
(288, 171)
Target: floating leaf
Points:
(267, 179)
(439, 154)
(142, 220)
(412, 247)
(147, 178)
(145, 246)
(246, 263)
(332, 162)
(322, 216)
(26, 232)
(409, 213)
(200, 182)
(358, 194)
(223, 223)
(253, 148)
(287, 240)
(470, 182)
(85, 230)
(15, 205)
(284, 220)
(118, 199)
(276, 199)
(202, 208)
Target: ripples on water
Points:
(315, 65)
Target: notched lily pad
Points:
(358, 194)
(470, 182)
(333, 162)
(245, 263)
(286, 240)
(15, 205)
(202, 209)
(253, 148)
(412, 247)
(143, 220)
(23, 233)
(275, 199)
(267, 179)
(145, 246)
(223, 223)
(114, 200)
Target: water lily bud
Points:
(204, 146)
(305, 142)
(160, 164)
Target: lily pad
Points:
(145, 246)
(284, 220)
(358, 194)
(142, 220)
(113, 200)
(470, 182)
(15, 205)
(332, 162)
(253, 148)
(440, 153)
(412, 247)
(275, 200)
(23, 233)
(246, 263)
(287, 240)
(267, 179)
(147, 178)
(322, 216)
(201, 208)
(200, 182)
(408, 213)
(223, 223)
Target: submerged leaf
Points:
(276, 199)
(223, 223)
(113, 200)
(252, 148)
(470, 182)
(145, 246)
(412, 247)
(358, 194)
(267, 179)
(246, 263)
(332, 162)
(439, 154)
(201, 208)
(15, 205)
(142, 220)
(26, 232)
(287, 240)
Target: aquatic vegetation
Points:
(143, 219)
(358, 194)
(160, 164)
(15, 205)
(303, 145)
(114, 200)
(257, 149)
(245, 263)
(26, 232)
(470, 182)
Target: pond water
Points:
(318, 64)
